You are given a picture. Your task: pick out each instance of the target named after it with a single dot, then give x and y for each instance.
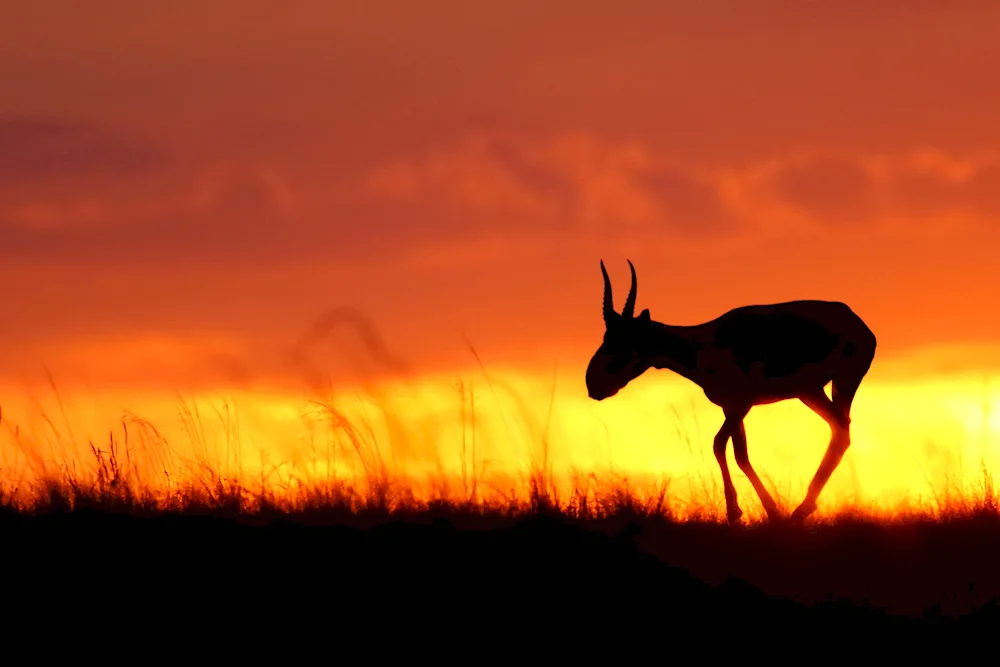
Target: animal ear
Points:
(644, 315)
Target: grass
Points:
(931, 560)
(115, 482)
(138, 471)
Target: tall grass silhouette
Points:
(906, 559)
(363, 463)
(347, 470)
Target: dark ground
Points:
(612, 583)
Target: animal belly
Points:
(757, 386)
(807, 378)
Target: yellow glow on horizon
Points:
(911, 440)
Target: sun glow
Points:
(913, 441)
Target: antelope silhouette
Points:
(752, 355)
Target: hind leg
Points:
(837, 413)
(843, 394)
(840, 440)
(845, 385)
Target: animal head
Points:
(617, 361)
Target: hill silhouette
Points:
(542, 579)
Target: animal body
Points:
(752, 355)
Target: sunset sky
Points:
(187, 188)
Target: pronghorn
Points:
(753, 355)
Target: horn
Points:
(629, 308)
(609, 303)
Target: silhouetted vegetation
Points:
(147, 546)
(603, 560)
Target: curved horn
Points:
(609, 303)
(629, 308)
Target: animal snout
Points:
(601, 394)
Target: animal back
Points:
(775, 341)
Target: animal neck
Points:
(673, 348)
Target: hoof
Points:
(801, 512)
(773, 513)
(734, 515)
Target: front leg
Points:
(733, 511)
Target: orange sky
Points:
(185, 189)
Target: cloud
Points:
(981, 193)
(51, 150)
(209, 216)
(938, 186)
(64, 173)
(831, 190)
(688, 205)
(908, 190)
(489, 181)
(492, 196)
(571, 182)
(918, 192)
